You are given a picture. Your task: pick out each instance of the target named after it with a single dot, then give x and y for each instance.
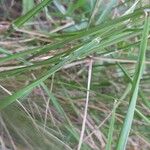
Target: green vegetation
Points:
(74, 75)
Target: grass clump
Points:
(74, 75)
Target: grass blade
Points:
(27, 6)
(111, 129)
(135, 86)
(23, 19)
(83, 50)
(106, 11)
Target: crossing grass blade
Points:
(103, 44)
(121, 145)
(83, 50)
(141, 94)
(23, 19)
(97, 30)
(106, 11)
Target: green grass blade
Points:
(53, 99)
(111, 129)
(106, 11)
(95, 11)
(27, 6)
(80, 52)
(23, 19)
(141, 94)
(135, 86)
(4, 51)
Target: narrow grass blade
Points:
(106, 11)
(23, 19)
(27, 6)
(80, 52)
(59, 6)
(135, 86)
(111, 129)
(3, 51)
(55, 59)
(130, 10)
(53, 99)
(141, 94)
(95, 11)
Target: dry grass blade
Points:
(86, 105)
